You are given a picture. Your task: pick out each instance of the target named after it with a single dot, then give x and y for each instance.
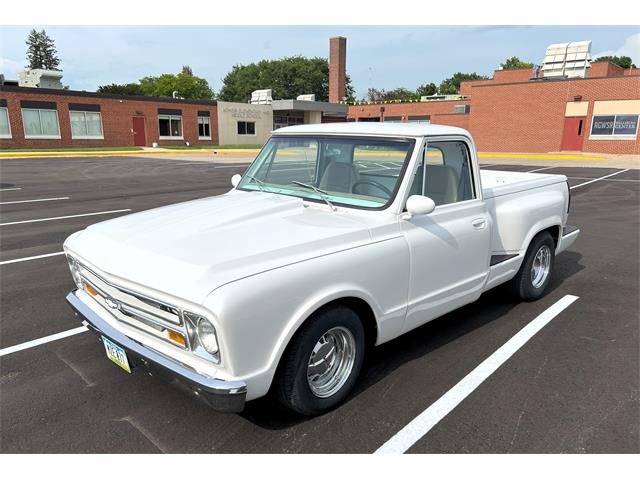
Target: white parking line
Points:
(420, 426)
(40, 341)
(601, 178)
(24, 259)
(66, 216)
(36, 200)
(8, 189)
(540, 169)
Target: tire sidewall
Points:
(306, 401)
(526, 289)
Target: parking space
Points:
(572, 387)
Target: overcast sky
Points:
(381, 57)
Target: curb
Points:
(126, 152)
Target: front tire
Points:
(535, 272)
(322, 362)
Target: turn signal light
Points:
(92, 291)
(177, 338)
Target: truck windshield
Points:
(355, 172)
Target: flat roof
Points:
(111, 96)
(374, 128)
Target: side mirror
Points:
(420, 205)
(235, 180)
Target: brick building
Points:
(513, 112)
(52, 118)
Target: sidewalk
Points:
(232, 155)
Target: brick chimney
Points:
(337, 68)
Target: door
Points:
(573, 133)
(450, 248)
(139, 136)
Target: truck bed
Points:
(496, 183)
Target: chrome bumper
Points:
(221, 395)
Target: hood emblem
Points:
(111, 303)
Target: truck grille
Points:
(136, 310)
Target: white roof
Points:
(375, 128)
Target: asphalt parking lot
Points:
(573, 387)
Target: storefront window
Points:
(614, 126)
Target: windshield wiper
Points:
(322, 193)
(260, 183)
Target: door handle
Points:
(479, 223)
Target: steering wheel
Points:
(373, 183)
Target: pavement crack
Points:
(145, 433)
(76, 369)
(517, 429)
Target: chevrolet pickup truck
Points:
(338, 238)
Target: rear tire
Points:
(322, 362)
(535, 272)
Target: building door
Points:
(139, 137)
(573, 134)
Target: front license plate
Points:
(116, 354)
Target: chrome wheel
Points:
(331, 362)
(541, 266)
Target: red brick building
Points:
(49, 118)
(514, 113)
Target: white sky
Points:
(381, 57)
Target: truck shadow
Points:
(385, 359)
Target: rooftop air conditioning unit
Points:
(307, 98)
(568, 60)
(261, 97)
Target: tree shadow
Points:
(385, 359)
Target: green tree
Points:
(397, 94)
(515, 63)
(451, 85)
(186, 69)
(426, 90)
(624, 62)
(287, 78)
(121, 89)
(41, 51)
(185, 85)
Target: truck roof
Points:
(375, 128)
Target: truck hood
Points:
(189, 249)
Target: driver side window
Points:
(444, 174)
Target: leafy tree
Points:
(186, 69)
(426, 90)
(515, 63)
(185, 85)
(397, 94)
(624, 62)
(41, 51)
(451, 85)
(287, 77)
(122, 89)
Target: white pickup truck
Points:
(338, 237)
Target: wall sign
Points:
(626, 125)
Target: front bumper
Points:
(221, 395)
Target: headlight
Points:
(75, 271)
(207, 336)
(205, 333)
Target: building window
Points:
(86, 125)
(204, 128)
(40, 123)
(246, 128)
(170, 127)
(419, 119)
(614, 126)
(5, 127)
(392, 119)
